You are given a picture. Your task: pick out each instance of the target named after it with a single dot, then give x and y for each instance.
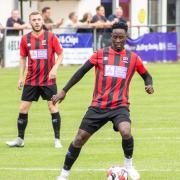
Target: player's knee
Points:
(23, 109)
(125, 133)
(79, 141)
(52, 108)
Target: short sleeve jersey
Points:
(41, 57)
(114, 71)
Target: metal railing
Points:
(100, 39)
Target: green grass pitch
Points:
(155, 126)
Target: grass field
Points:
(155, 126)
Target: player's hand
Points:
(20, 83)
(52, 74)
(58, 97)
(149, 89)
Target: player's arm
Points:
(74, 79)
(53, 72)
(22, 67)
(148, 82)
(145, 75)
(59, 51)
(22, 64)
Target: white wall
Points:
(61, 9)
(87, 5)
(27, 9)
(139, 12)
(5, 10)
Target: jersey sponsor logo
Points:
(38, 54)
(115, 71)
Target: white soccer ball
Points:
(117, 173)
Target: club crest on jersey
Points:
(125, 59)
(44, 42)
(28, 44)
(105, 58)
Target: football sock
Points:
(128, 146)
(56, 122)
(64, 173)
(71, 157)
(21, 124)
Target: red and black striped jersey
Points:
(114, 71)
(41, 57)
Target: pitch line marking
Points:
(107, 138)
(84, 170)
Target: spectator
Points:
(73, 23)
(101, 23)
(86, 21)
(16, 23)
(49, 24)
(118, 16)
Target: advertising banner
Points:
(155, 46)
(12, 44)
(77, 47)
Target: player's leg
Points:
(73, 152)
(30, 93)
(122, 123)
(21, 124)
(56, 122)
(47, 92)
(92, 122)
(128, 147)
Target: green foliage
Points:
(155, 126)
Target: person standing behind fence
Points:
(118, 16)
(86, 21)
(101, 24)
(16, 23)
(40, 47)
(48, 22)
(72, 24)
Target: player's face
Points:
(36, 22)
(118, 37)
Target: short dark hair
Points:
(71, 15)
(120, 25)
(45, 9)
(98, 7)
(34, 13)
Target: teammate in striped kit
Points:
(114, 69)
(40, 47)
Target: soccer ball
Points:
(117, 173)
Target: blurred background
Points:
(154, 26)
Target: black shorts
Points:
(95, 118)
(32, 93)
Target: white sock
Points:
(65, 173)
(128, 162)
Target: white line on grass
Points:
(84, 170)
(101, 139)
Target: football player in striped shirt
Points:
(40, 47)
(114, 69)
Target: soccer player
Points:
(40, 46)
(114, 69)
